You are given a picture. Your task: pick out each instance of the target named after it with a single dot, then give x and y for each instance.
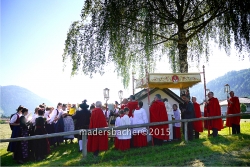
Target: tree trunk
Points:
(183, 63)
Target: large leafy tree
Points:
(134, 34)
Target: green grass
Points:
(225, 150)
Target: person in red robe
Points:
(132, 105)
(233, 108)
(198, 126)
(97, 142)
(213, 109)
(158, 114)
(124, 104)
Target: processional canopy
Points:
(169, 80)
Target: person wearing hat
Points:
(82, 120)
(158, 113)
(233, 108)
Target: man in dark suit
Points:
(82, 120)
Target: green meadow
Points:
(224, 150)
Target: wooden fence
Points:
(88, 131)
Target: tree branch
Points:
(185, 10)
(170, 15)
(196, 8)
(157, 35)
(202, 25)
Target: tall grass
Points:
(224, 150)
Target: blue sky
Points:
(32, 42)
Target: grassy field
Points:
(225, 150)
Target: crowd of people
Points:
(64, 118)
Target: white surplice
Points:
(125, 133)
(140, 117)
(170, 115)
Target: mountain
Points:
(13, 96)
(239, 82)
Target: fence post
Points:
(84, 143)
(186, 130)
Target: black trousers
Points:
(215, 132)
(235, 129)
(197, 135)
(96, 153)
(157, 142)
(189, 130)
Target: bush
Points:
(243, 107)
(2, 122)
(245, 117)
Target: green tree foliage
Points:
(243, 107)
(134, 34)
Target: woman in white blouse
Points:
(140, 134)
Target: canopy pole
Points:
(205, 88)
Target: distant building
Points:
(242, 100)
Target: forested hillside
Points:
(13, 96)
(239, 82)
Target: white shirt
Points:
(140, 117)
(117, 123)
(168, 106)
(33, 119)
(108, 112)
(14, 118)
(131, 120)
(116, 110)
(125, 133)
(177, 116)
(47, 116)
(54, 115)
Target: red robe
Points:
(132, 105)
(124, 106)
(233, 108)
(198, 127)
(214, 110)
(158, 114)
(97, 141)
(206, 115)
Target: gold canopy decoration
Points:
(169, 80)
